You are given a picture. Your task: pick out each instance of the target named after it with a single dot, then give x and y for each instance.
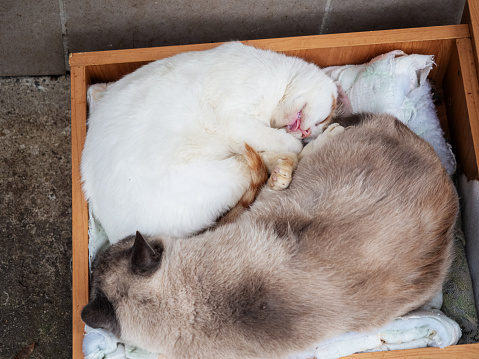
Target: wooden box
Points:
(454, 48)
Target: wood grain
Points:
(471, 90)
(469, 351)
(79, 208)
(322, 57)
(471, 18)
(461, 94)
(324, 50)
(279, 44)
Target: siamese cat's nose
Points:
(100, 313)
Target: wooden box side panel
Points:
(80, 275)
(461, 94)
(324, 50)
(280, 44)
(471, 17)
(468, 351)
(360, 54)
(320, 56)
(321, 50)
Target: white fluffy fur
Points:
(160, 151)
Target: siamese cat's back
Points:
(383, 208)
(378, 162)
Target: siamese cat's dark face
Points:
(166, 297)
(133, 259)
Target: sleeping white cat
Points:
(165, 147)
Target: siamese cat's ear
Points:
(145, 259)
(99, 313)
(353, 119)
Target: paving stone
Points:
(35, 213)
(352, 15)
(99, 26)
(31, 38)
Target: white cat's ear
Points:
(100, 313)
(145, 259)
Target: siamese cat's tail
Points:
(258, 175)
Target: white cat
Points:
(165, 147)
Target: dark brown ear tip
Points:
(145, 260)
(139, 236)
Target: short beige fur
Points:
(362, 235)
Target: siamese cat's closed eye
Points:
(362, 235)
(168, 147)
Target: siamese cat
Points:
(362, 235)
(165, 149)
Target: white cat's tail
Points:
(258, 175)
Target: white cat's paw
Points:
(289, 143)
(282, 174)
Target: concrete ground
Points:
(35, 217)
(38, 35)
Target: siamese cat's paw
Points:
(281, 176)
(331, 131)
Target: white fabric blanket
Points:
(393, 83)
(100, 344)
(419, 329)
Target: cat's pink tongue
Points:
(296, 126)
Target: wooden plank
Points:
(471, 89)
(461, 94)
(469, 351)
(322, 57)
(343, 55)
(471, 18)
(279, 44)
(79, 209)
